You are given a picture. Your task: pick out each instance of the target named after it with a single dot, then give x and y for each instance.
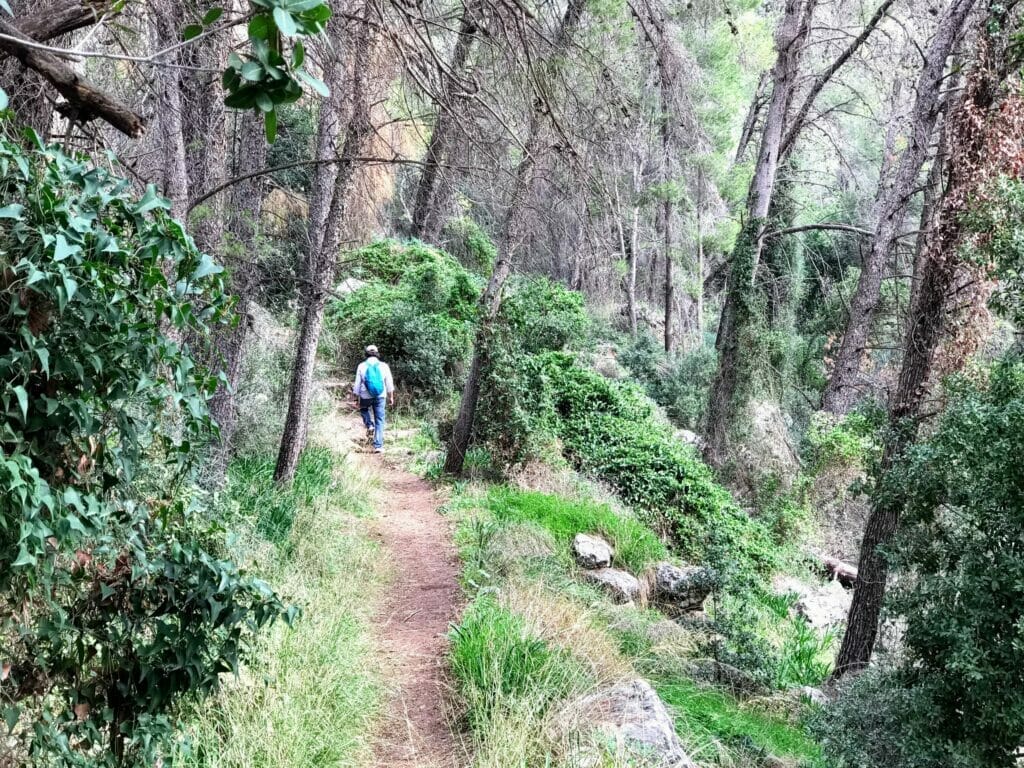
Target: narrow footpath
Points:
(413, 623)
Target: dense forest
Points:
(704, 323)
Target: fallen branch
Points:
(836, 569)
(85, 101)
(62, 18)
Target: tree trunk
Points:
(889, 212)
(738, 311)
(983, 144)
(321, 262)
(512, 236)
(166, 31)
(428, 211)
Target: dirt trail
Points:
(412, 625)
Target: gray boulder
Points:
(677, 590)
(632, 719)
(621, 586)
(591, 551)
(814, 695)
(823, 605)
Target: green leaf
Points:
(206, 267)
(64, 249)
(44, 359)
(315, 83)
(22, 395)
(260, 27)
(192, 31)
(212, 15)
(6, 7)
(150, 201)
(24, 558)
(298, 54)
(252, 70)
(285, 22)
(4, 101)
(11, 714)
(12, 211)
(270, 125)
(264, 102)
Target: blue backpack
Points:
(374, 379)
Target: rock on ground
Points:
(678, 590)
(591, 551)
(823, 606)
(633, 717)
(621, 586)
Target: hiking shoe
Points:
(378, 450)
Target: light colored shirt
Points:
(359, 387)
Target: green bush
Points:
(468, 243)
(608, 430)
(635, 545)
(419, 311)
(679, 385)
(117, 601)
(544, 316)
(498, 664)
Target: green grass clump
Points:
(311, 696)
(635, 545)
(501, 667)
(706, 717)
(269, 508)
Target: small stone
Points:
(621, 586)
(814, 695)
(591, 551)
(680, 589)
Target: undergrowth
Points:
(312, 697)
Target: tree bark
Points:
(889, 212)
(167, 22)
(514, 231)
(984, 141)
(322, 262)
(428, 211)
(737, 311)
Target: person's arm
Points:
(389, 385)
(358, 381)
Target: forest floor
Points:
(421, 601)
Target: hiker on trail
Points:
(372, 386)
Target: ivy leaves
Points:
(115, 600)
(268, 76)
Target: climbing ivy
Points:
(115, 601)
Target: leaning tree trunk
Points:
(168, 20)
(890, 210)
(428, 210)
(738, 312)
(322, 261)
(513, 234)
(985, 136)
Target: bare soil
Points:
(412, 626)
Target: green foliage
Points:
(296, 131)
(268, 507)
(853, 440)
(544, 316)
(806, 656)
(264, 78)
(497, 663)
(997, 222)
(419, 311)
(680, 384)
(609, 431)
(116, 603)
(636, 547)
(707, 716)
(468, 243)
(515, 417)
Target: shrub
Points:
(636, 547)
(608, 430)
(468, 243)
(116, 600)
(419, 311)
(544, 316)
(679, 385)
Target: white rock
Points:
(814, 695)
(632, 717)
(823, 606)
(591, 551)
(621, 586)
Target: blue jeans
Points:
(376, 405)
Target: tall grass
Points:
(312, 697)
(635, 544)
